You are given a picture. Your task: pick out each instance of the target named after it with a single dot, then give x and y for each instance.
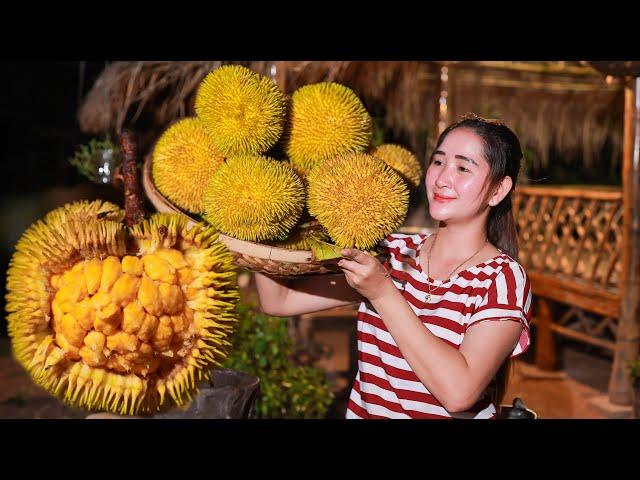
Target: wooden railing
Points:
(570, 240)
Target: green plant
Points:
(379, 131)
(262, 346)
(634, 369)
(97, 160)
(17, 400)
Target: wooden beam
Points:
(591, 192)
(582, 337)
(552, 87)
(537, 67)
(620, 387)
(590, 298)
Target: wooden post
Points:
(133, 206)
(620, 388)
(443, 110)
(278, 73)
(546, 349)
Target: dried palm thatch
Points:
(575, 114)
(570, 109)
(149, 95)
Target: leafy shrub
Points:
(288, 389)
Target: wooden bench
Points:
(570, 242)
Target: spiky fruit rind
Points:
(184, 160)
(358, 198)
(79, 317)
(327, 119)
(402, 161)
(243, 110)
(254, 198)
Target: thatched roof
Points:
(566, 106)
(572, 110)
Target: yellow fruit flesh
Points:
(127, 316)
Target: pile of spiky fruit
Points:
(124, 319)
(293, 172)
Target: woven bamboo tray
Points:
(253, 256)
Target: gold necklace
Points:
(449, 276)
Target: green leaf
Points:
(323, 250)
(92, 158)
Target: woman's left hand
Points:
(365, 273)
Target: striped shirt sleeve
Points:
(384, 244)
(508, 298)
(383, 248)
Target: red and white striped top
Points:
(385, 386)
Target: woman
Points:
(418, 355)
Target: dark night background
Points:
(38, 134)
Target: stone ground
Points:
(552, 395)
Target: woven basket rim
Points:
(245, 247)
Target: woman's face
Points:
(456, 177)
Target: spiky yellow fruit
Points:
(184, 160)
(358, 198)
(402, 161)
(243, 110)
(102, 327)
(327, 120)
(254, 198)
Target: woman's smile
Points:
(440, 198)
